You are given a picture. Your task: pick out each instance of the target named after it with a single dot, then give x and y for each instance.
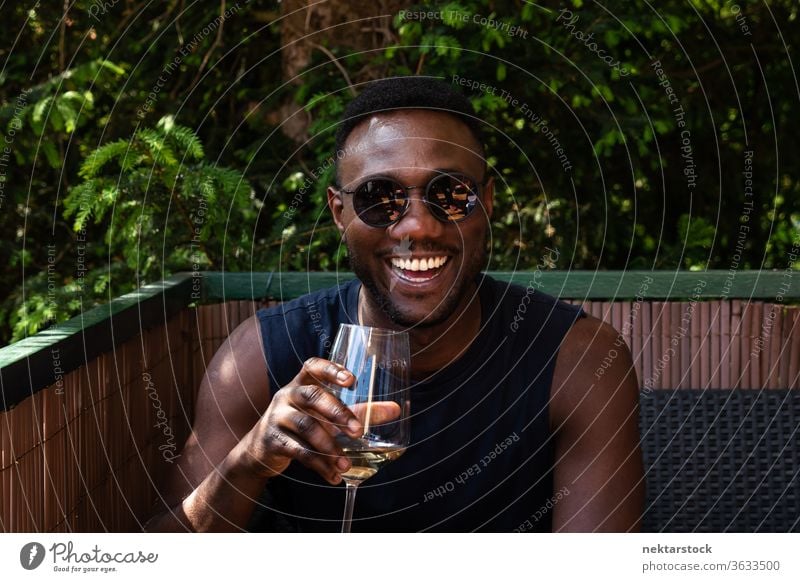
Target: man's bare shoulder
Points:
(236, 383)
(587, 342)
(593, 363)
(243, 346)
(239, 366)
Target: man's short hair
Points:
(387, 95)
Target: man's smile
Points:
(418, 269)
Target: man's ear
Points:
(488, 197)
(336, 204)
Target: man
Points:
(511, 430)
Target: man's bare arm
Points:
(241, 437)
(594, 413)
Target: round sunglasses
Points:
(450, 197)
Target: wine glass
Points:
(380, 361)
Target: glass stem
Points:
(349, 503)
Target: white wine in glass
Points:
(380, 360)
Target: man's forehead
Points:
(408, 135)
(401, 123)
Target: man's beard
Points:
(473, 264)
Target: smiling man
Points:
(511, 428)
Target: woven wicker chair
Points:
(721, 460)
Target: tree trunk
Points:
(309, 27)
(352, 26)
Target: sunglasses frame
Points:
(479, 186)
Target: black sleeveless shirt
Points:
(480, 457)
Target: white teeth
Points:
(419, 264)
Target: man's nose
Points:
(417, 222)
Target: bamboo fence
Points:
(89, 453)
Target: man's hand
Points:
(241, 436)
(302, 422)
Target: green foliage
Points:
(56, 109)
(168, 203)
(141, 145)
(163, 208)
(624, 201)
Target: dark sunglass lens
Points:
(452, 197)
(380, 202)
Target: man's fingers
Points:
(312, 432)
(322, 371)
(378, 412)
(326, 408)
(294, 447)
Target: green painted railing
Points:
(38, 361)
